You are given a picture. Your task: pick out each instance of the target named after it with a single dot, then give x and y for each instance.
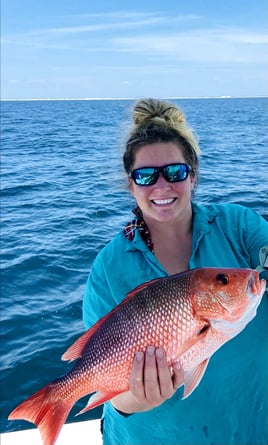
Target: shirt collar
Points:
(138, 234)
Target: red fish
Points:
(190, 315)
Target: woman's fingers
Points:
(178, 376)
(151, 381)
(136, 377)
(164, 376)
(151, 384)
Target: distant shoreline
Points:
(130, 98)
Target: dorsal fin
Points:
(75, 351)
(141, 287)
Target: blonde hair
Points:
(160, 121)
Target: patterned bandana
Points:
(138, 223)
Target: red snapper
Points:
(190, 315)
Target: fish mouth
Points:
(255, 286)
(255, 290)
(161, 202)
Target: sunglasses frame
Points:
(158, 170)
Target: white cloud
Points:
(206, 45)
(124, 20)
(248, 38)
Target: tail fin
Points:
(47, 410)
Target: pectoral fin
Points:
(193, 378)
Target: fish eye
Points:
(221, 278)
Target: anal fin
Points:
(98, 398)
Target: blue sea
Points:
(64, 196)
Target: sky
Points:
(77, 49)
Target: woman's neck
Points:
(175, 229)
(172, 244)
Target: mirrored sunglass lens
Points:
(144, 176)
(176, 173)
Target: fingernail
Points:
(150, 350)
(159, 353)
(139, 356)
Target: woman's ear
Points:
(130, 186)
(192, 181)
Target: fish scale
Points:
(189, 315)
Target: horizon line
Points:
(130, 98)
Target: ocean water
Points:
(63, 197)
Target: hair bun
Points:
(154, 111)
(164, 114)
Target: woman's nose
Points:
(162, 182)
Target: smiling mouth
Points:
(161, 202)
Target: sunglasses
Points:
(171, 172)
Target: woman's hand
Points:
(151, 382)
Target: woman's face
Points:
(163, 201)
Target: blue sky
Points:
(96, 48)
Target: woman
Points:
(171, 234)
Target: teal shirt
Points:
(230, 405)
